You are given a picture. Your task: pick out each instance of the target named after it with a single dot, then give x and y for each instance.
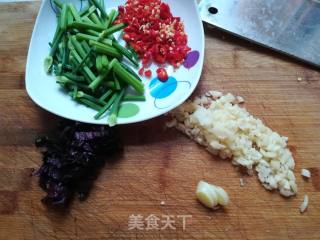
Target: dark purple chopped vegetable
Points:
(41, 141)
(73, 158)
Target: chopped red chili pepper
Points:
(141, 71)
(153, 32)
(162, 74)
(148, 73)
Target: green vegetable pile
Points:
(87, 59)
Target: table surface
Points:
(162, 165)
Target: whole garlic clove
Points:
(223, 198)
(206, 195)
(211, 196)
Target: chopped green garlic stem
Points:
(94, 18)
(74, 12)
(48, 63)
(112, 119)
(86, 26)
(106, 107)
(106, 95)
(129, 98)
(125, 76)
(64, 17)
(58, 3)
(98, 5)
(90, 104)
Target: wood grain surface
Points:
(159, 165)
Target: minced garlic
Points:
(217, 122)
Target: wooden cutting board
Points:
(159, 165)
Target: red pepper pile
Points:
(153, 32)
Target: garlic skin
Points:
(211, 196)
(305, 173)
(304, 204)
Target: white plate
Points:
(161, 97)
